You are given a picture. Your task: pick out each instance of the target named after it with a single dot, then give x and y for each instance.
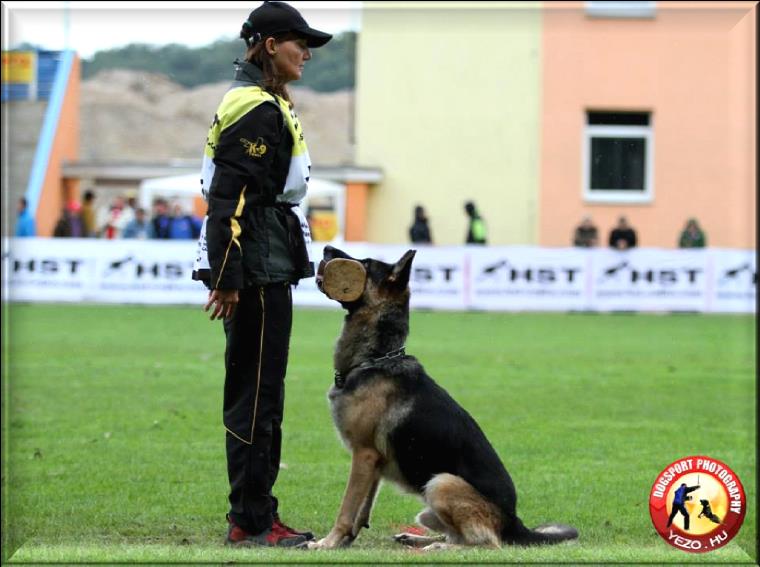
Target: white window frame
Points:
(615, 9)
(612, 195)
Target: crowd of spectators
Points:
(122, 218)
(623, 236)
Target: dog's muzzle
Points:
(341, 279)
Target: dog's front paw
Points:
(321, 544)
(331, 542)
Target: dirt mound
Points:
(146, 117)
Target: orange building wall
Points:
(357, 195)
(694, 70)
(65, 147)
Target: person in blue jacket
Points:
(25, 220)
(679, 499)
(183, 225)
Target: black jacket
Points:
(251, 238)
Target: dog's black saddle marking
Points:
(340, 378)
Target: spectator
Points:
(130, 209)
(87, 214)
(139, 227)
(586, 235)
(476, 229)
(132, 201)
(183, 225)
(692, 236)
(69, 224)
(74, 212)
(419, 233)
(25, 225)
(117, 219)
(63, 226)
(622, 237)
(160, 221)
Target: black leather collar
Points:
(340, 379)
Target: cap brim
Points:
(314, 38)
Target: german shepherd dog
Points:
(401, 426)
(707, 511)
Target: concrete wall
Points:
(22, 123)
(693, 68)
(447, 105)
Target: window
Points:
(618, 157)
(612, 9)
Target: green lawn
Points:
(113, 447)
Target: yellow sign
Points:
(19, 66)
(324, 225)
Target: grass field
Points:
(114, 450)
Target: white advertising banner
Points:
(732, 283)
(506, 278)
(648, 279)
(528, 279)
(102, 271)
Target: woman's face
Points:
(289, 58)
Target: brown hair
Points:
(259, 56)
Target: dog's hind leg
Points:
(428, 519)
(466, 516)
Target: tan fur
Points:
(367, 412)
(372, 407)
(359, 414)
(363, 477)
(469, 518)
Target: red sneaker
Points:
(273, 537)
(288, 530)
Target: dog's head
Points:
(355, 283)
(704, 502)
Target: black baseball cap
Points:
(273, 18)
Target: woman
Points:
(692, 236)
(253, 247)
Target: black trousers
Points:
(256, 359)
(679, 508)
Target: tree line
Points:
(331, 68)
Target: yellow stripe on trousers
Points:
(258, 374)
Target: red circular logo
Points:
(697, 504)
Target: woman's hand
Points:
(224, 300)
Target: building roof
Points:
(136, 171)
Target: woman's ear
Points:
(270, 44)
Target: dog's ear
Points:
(399, 276)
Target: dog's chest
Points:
(365, 416)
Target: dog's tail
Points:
(519, 534)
